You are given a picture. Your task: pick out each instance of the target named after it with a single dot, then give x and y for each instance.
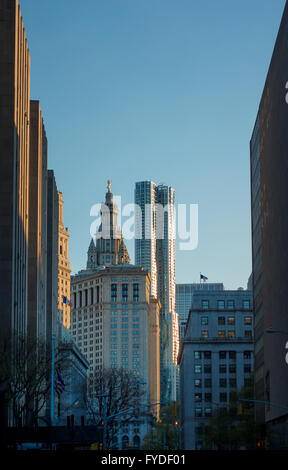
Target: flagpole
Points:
(52, 381)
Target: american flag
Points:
(59, 382)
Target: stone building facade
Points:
(216, 358)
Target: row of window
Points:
(224, 334)
(224, 397)
(222, 354)
(230, 320)
(85, 317)
(229, 304)
(223, 383)
(125, 292)
(125, 337)
(222, 368)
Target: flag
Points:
(59, 382)
(203, 277)
(66, 301)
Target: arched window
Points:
(125, 441)
(136, 442)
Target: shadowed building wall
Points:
(37, 223)
(269, 202)
(14, 168)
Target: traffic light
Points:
(261, 444)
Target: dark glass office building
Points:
(269, 211)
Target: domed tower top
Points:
(110, 248)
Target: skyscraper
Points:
(52, 255)
(155, 251)
(37, 240)
(269, 220)
(14, 169)
(63, 266)
(145, 244)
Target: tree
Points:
(114, 391)
(25, 376)
(235, 427)
(164, 434)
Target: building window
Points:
(197, 355)
(222, 369)
(207, 354)
(208, 383)
(231, 320)
(247, 354)
(248, 334)
(197, 369)
(198, 397)
(204, 321)
(207, 369)
(124, 292)
(232, 354)
(205, 304)
(208, 412)
(222, 383)
(135, 292)
(231, 333)
(247, 320)
(198, 412)
(221, 304)
(197, 383)
(113, 292)
(223, 397)
(232, 369)
(246, 304)
(230, 304)
(204, 333)
(221, 333)
(222, 354)
(232, 383)
(208, 397)
(221, 320)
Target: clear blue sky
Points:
(166, 90)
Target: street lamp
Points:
(271, 330)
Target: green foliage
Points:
(165, 433)
(235, 428)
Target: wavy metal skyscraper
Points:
(155, 251)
